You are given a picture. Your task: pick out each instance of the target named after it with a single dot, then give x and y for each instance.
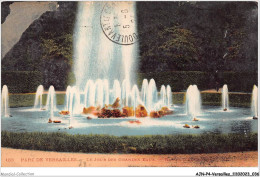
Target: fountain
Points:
(51, 101)
(116, 90)
(5, 102)
(225, 104)
(74, 102)
(100, 62)
(67, 97)
(135, 97)
(169, 95)
(89, 93)
(38, 97)
(193, 101)
(106, 88)
(163, 95)
(151, 96)
(95, 56)
(254, 104)
(144, 91)
(125, 93)
(99, 93)
(106, 91)
(96, 94)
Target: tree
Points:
(179, 49)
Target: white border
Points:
(127, 171)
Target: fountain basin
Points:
(212, 120)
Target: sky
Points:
(22, 14)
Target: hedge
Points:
(239, 81)
(180, 80)
(149, 144)
(28, 81)
(21, 81)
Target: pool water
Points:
(212, 120)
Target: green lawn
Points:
(152, 144)
(24, 100)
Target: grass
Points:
(25, 100)
(214, 99)
(151, 144)
(235, 99)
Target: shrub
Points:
(149, 144)
(28, 81)
(21, 81)
(180, 80)
(239, 81)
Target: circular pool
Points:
(211, 120)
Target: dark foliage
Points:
(198, 36)
(21, 81)
(174, 36)
(46, 46)
(180, 80)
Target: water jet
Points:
(38, 97)
(193, 101)
(225, 100)
(254, 103)
(51, 101)
(5, 102)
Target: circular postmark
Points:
(118, 22)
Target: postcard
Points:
(130, 84)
